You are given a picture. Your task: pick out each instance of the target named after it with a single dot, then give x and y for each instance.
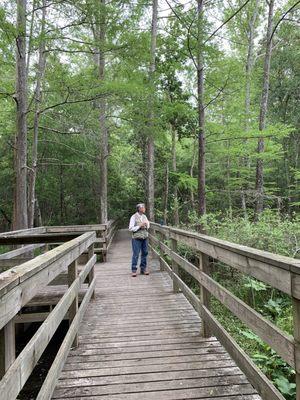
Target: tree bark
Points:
(20, 216)
(102, 117)
(150, 136)
(174, 169)
(61, 195)
(37, 102)
(166, 195)
(249, 63)
(29, 50)
(201, 113)
(192, 173)
(259, 205)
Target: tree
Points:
(20, 216)
(201, 110)
(259, 186)
(150, 136)
(32, 200)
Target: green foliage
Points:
(68, 171)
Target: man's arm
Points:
(132, 226)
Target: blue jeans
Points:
(139, 246)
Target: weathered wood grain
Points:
(20, 284)
(20, 251)
(139, 339)
(268, 267)
(20, 370)
(256, 377)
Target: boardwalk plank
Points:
(148, 377)
(143, 387)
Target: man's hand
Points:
(143, 225)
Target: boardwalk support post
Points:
(7, 347)
(72, 275)
(92, 272)
(161, 237)
(296, 317)
(175, 268)
(204, 293)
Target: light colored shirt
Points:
(140, 218)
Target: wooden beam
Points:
(75, 228)
(296, 320)
(72, 276)
(91, 257)
(280, 341)
(255, 376)
(259, 381)
(174, 265)
(37, 238)
(20, 284)
(40, 229)
(50, 382)
(20, 251)
(18, 373)
(7, 347)
(265, 266)
(204, 267)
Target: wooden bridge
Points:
(148, 337)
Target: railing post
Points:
(7, 347)
(72, 275)
(174, 265)
(161, 238)
(204, 293)
(104, 236)
(92, 271)
(296, 320)
(152, 255)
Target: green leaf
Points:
(286, 387)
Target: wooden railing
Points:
(38, 237)
(21, 283)
(282, 273)
(17, 286)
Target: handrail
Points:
(58, 234)
(280, 272)
(257, 263)
(18, 285)
(20, 251)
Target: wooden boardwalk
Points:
(140, 341)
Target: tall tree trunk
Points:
(166, 194)
(248, 73)
(30, 39)
(102, 117)
(201, 112)
(249, 63)
(38, 214)
(192, 173)
(150, 138)
(61, 195)
(20, 216)
(174, 169)
(37, 101)
(259, 205)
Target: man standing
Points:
(139, 226)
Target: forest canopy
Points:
(190, 106)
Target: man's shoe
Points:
(133, 274)
(145, 272)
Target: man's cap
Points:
(138, 206)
